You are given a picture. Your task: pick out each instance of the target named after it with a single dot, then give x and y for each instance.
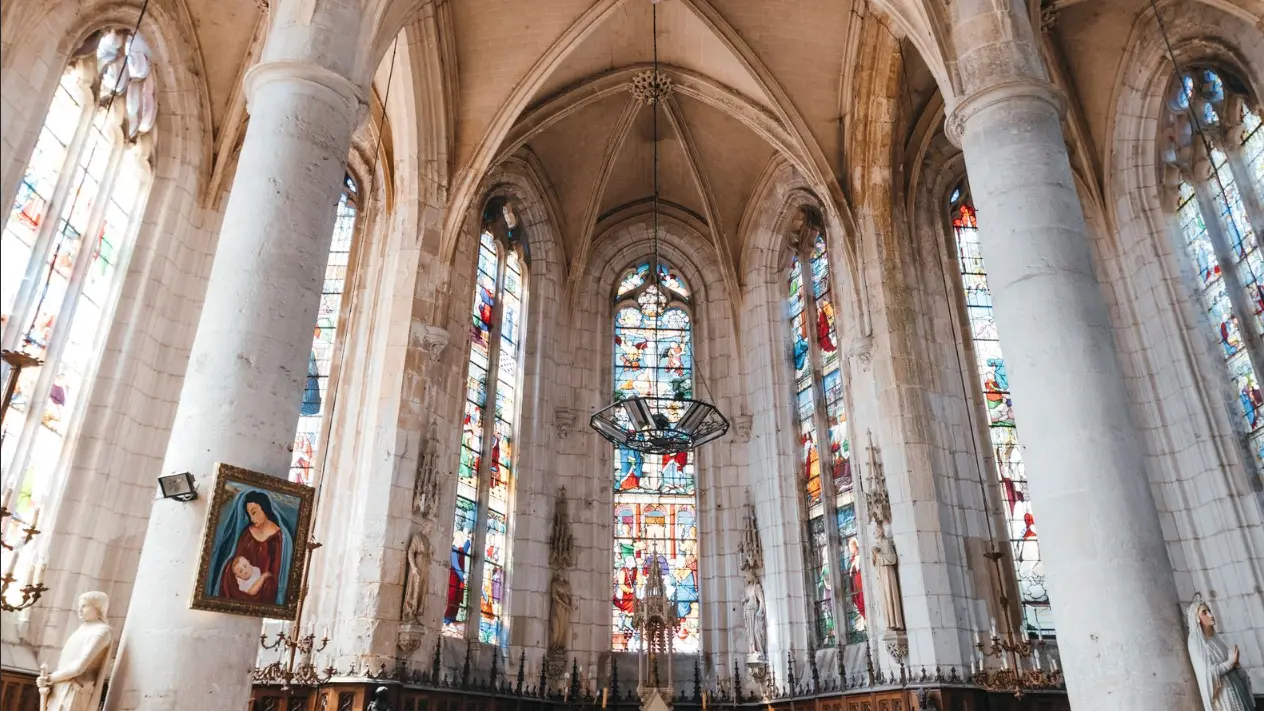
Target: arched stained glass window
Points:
(655, 502)
(65, 245)
(311, 420)
(1007, 454)
(1215, 147)
(485, 473)
(821, 416)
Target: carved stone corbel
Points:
(742, 428)
(564, 421)
(433, 341)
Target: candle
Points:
(1053, 664)
(11, 564)
(35, 517)
(39, 573)
(8, 499)
(994, 627)
(325, 634)
(606, 690)
(1035, 654)
(704, 701)
(1005, 661)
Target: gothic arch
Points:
(1189, 438)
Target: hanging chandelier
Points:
(652, 423)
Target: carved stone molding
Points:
(742, 428)
(988, 96)
(651, 87)
(564, 421)
(410, 638)
(433, 341)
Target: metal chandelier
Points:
(651, 423)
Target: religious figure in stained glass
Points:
(486, 463)
(655, 520)
(821, 414)
(1001, 422)
(1221, 242)
(307, 439)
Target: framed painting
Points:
(254, 545)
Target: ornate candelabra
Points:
(1021, 668)
(34, 588)
(284, 669)
(292, 645)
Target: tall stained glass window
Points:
(311, 418)
(485, 472)
(822, 436)
(1002, 430)
(64, 250)
(655, 506)
(1223, 178)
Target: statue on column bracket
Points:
(561, 600)
(884, 557)
(426, 485)
(412, 613)
(754, 607)
(1222, 683)
(886, 562)
(83, 666)
(416, 577)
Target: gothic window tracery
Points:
(65, 246)
(655, 506)
(1002, 427)
(487, 462)
(1212, 151)
(823, 444)
(311, 420)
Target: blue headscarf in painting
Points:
(232, 526)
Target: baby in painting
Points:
(249, 577)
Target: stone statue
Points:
(561, 604)
(83, 666)
(886, 563)
(426, 486)
(755, 611)
(1222, 683)
(416, 578)
(381, 700)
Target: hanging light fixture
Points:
(651, 423)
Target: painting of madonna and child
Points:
(254, 545)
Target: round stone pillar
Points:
(1111, 584)
(245, 378)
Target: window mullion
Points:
(64, 321)
(478, 555)
(23, 303)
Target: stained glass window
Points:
(64, 248)
(655, 507)
(824, 448)
(1002, 428)
(1224, 251)
(486, 464)
(319, 364)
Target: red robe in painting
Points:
(266, 556)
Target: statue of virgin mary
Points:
(1222, 683)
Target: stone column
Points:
(1114, 597)
(241, 395)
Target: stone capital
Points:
(988, 96)
(311, 78)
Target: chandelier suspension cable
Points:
(1207, 144)
(660, 299)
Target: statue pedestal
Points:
(410, 638)
(555, 666)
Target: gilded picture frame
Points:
(254, 545)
